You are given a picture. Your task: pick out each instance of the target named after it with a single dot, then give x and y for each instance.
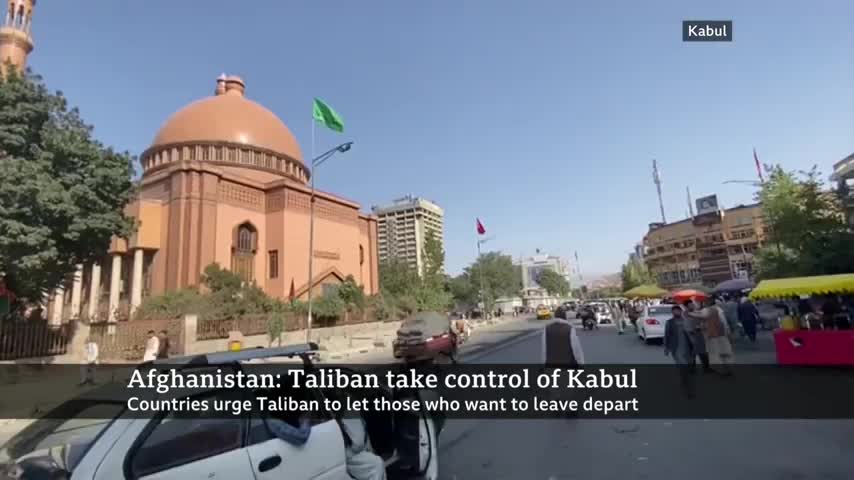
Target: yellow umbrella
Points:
(645, 291)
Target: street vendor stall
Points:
(810, 347)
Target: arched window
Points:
(243, 251)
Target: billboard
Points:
(707, 204)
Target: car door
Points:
(321, 457)
(188, 445)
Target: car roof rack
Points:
(222, 358)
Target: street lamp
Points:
(316, 162)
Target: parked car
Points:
(543, 312)
(562, 312)
(66, 444)
(425, 335)
(652, 321)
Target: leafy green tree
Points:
(554, 283)
(63, 193)
(397, 278)
(635, 273)
(500, 278)
(807, 233)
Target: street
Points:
(639, 449)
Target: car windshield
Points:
(65, 436)
(660, 311)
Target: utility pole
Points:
(656, 178)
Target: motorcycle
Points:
(589, 323)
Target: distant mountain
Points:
(610, 280)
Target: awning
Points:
(793, 287)
(645, 291)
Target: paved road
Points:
(641, 449)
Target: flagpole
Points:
(480, 272)
(311, 238)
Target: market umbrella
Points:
(687, 294)
(645, 291)
(734, 285)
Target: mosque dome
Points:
(251, 135)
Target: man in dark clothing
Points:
(561, 349)
(678, 346)
(163, 351)
(748, 315)
(694, 329)
(829, 310)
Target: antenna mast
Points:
(690, 203)
(657, 180)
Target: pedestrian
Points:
(163, 345)
(679, 346)
(562, 350)
(810, 320)
(694, 327)
(152, 347)
(90, 360)
(748, 315)
(714, 331)
(731, 313)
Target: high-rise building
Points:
(534, 266)
(403, 226)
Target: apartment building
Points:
(713, 246)
(403, 226)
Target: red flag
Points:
(293, 293)
(480, 229)
(758, 166)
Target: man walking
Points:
(561, 349)
(748, 315)
(679, 347)
(152, 346)
(714, 333)
(694, 327)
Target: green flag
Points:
(324, 114)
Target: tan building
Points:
(709, 248)
(843, 175)
(223, 181)
(403, 227)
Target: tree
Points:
(635, 273)
(404, 291)
(500, 278)
(807, 233)
(63, 193)
(554, 283)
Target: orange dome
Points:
(230, 117)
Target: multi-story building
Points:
(403, 226)
(713, 246)
(532, 268)
(843, 175)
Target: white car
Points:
(652, 321)
(166, 446)
(603, 313)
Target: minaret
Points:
(15, 40)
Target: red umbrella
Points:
(687, 294)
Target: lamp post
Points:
(316, 162)
(480, 271)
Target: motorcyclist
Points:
(587, 315)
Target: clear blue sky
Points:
(539, 117)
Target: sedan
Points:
(652, 322)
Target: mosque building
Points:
(224, 180)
